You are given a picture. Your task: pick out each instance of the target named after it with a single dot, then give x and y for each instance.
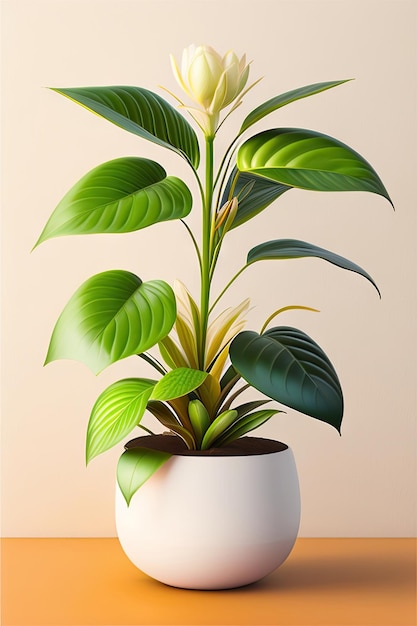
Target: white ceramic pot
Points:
(213, 522)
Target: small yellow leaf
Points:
(209, 393)
(223, 329)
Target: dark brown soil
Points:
(246, 446)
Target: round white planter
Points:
(213, 522)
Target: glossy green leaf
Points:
(308, 160)
(245, 425)
(199, 419)
(288, 366)
(295, 249)
(230, 377)
(141, 112)
(116, 413)
(217, 427)
(178, 382)
(136, 466)
(286, 98)
(112, 315)
(244, 409)
(119, 196)
(254, 194)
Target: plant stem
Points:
(231, 281)
(190, 232)
(206, 250)
(154, 362)
(146, 429)
(285, 308)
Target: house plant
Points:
(205, 357)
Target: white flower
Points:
(212, 81)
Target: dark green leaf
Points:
(165, 416)
(254, 193)
(112, 315)
(162, 413)
(141, 112)
(295, 249)
(308, 160)
(286, 98)
(116, 412)
(288, 366)
(135, 466)
(244, 409)
(229, 377)
(119, 196)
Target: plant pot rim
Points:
(244, 446)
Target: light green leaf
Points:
(135, 466)
(295, 249)
(141, 112)
(245, 425)
(288, 366)
(217, 427)
(119, 196)
(171, 354)
(177, 383)
(199, 419)
(308, 160)
(112, 315)
(116, 413)
(286, 98)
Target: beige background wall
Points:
(360, 484)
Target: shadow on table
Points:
(350, 572)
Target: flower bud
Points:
(227, 214)
(212, 81)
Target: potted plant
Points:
(204, 506)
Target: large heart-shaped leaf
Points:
(254, 193)
(136, 466)
(141, 112)
(295, 249)
(288, 366)
(177, 383)
(117, 410)
(286, 98)
(308, 160)
(118, 197)
(111, 316)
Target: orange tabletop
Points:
(89, 582)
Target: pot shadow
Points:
(350, 572)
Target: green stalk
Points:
(206, 250)
(231, 281)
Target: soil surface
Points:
(245, 446)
